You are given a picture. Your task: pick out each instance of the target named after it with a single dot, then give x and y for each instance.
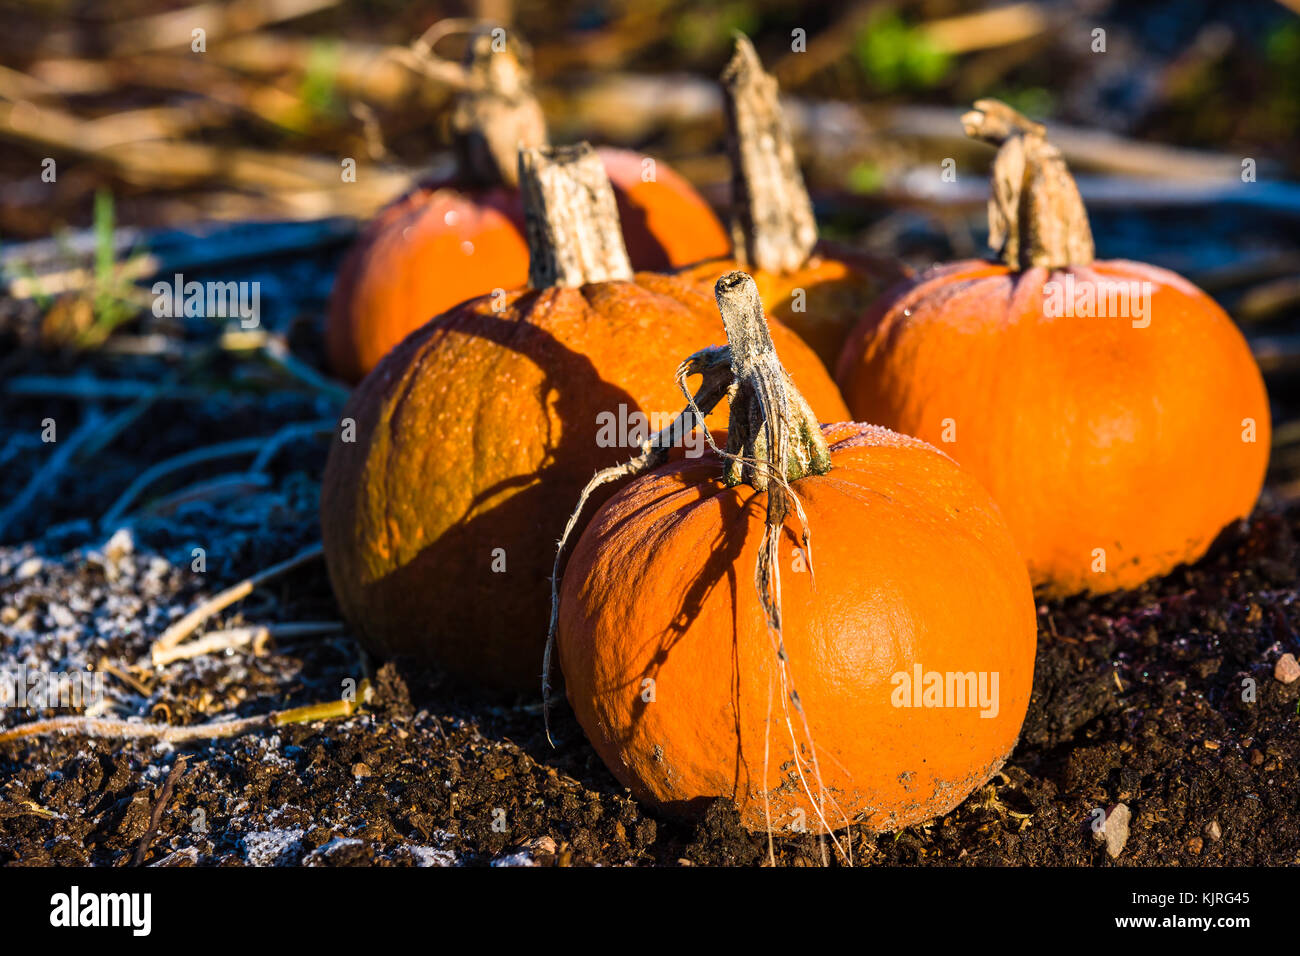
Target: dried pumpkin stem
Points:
(773, 432)
(773, 226)
(571, 218)
(773, 439)
(496, 112)
(1036, 215)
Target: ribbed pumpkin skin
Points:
(436, 247)
(666, 223)
(478, 433)
(839, 286)
(1088, 432)
(913, 565)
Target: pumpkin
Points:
(819, 289)
(666, 223)
(706, 654)
(440, 515)
(452, 239)
(1113, 409)
(430, 250)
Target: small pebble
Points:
(1287, 669)
(522, 858)
(119, 545)
(61, 616)
(1114, 832)
(1213, 830)
(542, 850)
(29, 569)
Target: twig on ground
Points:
(255, 638)
(164, 795)
(286, 435)
(107, 729)
(190, 622)
(120, 421)
(244, 446)
(126, 678)
(87, 388)
(232, 639)
(165, 163)
(174, 28)
(275, 349)
(220, 488)
(1268, 299)
(420, 57)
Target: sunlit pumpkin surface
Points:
(674, 676)
(1117, 447)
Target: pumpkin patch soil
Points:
(1138, 698)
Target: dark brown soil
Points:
(1138, 699)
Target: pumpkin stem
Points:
(773, 226)
(773, 439)
(496, 113)
(1036, 215)
(570, 218)
(773, 433)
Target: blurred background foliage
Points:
(98, 86)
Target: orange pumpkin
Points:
(451, 240)
(819, 289)
(432, 249)
(1111, 408)
(809, 702)
(820, 300)
(474, 435)
(666, 223)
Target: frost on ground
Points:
(268, 847)
(1137, 700)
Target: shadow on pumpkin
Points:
(724, 551)
(480, 593)
(645, 251)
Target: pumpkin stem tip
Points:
(1036, 215)
(773, 431)
(773, 227)
(570, 218)
(497, 112)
